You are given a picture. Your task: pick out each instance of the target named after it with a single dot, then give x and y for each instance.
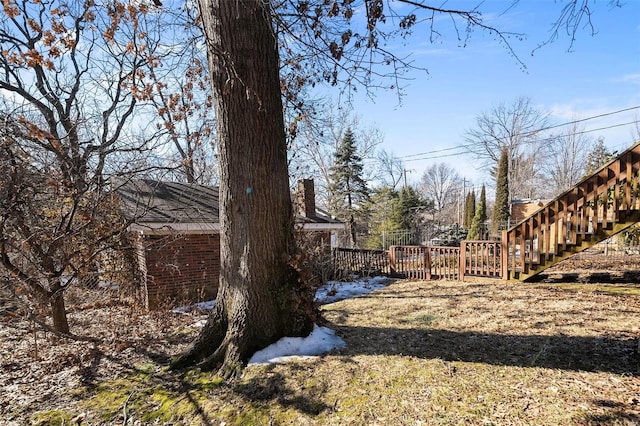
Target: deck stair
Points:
(598, 207)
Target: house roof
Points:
(152, 204)
(151, 201)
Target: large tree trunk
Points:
(261, 297)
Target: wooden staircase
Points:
(598, 207)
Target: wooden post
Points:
(629, 175)
(616, 191)
(520, 239)
(462, 263)
(392, 260)
(504, 256)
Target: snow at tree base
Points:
(321, 339)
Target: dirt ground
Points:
(40, 370)
(595, 266)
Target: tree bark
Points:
(261, 297)
(58, 312)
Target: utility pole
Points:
(404, 172)
(463, 204)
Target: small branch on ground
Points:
(70, 336)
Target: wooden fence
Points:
(424, 262)
(359, 261)
(472, 258)
(477, 258)
(445, 263)
(481, 259)
(410, 262)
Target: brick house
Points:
(522, 208)
(175, 230)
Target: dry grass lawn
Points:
(430, 353)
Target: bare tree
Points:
(519, 129)
(51, 234)
(575, 16)
(72, 75)
(566, 159)
(391, 169)
(183, 101)
(344, 43)
(442, 185)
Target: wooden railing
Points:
(424, 262)
(359, 261)
(410, 262)
(413, 262)
(601, 205)
(445, 262)
(481, 259)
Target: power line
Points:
(533, 132)
(428, 155)
(604, 128)
(455, 154)
(606, 114)
(431, 152)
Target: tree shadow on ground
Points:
(271, 386)
(153, 350)
(618, 414)
(593, 277)
(576, 353)
(470, 290)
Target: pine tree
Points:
(597, 157)
(477, 230)
(394, 211)
(348, 190)
(382, 218)
(501, 208)
(407, 208)
(469, 209)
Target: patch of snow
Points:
(202, 306)
(321, 340)
(108, 285)
(200, 323)
(334, 291)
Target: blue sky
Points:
(600, 74)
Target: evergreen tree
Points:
(347, 186)
(408, 208)
(597, 157)
(469, 209)
(382, 219)
(394, 211)
(501, 208)
(452, 236)
(348, 190)
(477, 231)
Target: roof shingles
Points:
(151, 201)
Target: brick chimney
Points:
(306, 198)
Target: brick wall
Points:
(523, 209)
(182, 268)
(306, 198)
